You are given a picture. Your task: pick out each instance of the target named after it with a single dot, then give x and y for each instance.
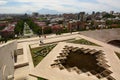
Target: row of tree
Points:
(35, 28)
(19, 28)
(110, 22)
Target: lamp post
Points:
(43, 31)
(70, 27)
(41, 38)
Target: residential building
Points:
(8, 31)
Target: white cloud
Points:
(112, 3)
(59, 5)
(2, 2)
(17, 9)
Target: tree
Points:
(19, 27)
(108, 16)
(35, 28)
(109, 22)
(47, 30)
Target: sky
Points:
(62, 6)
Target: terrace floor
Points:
(20, 58)
(44, 69)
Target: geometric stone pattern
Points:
(83, 60)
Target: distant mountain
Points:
(48, 11)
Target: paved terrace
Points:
(52, 38)
(44, 69)
(104, 35)
(23, 72)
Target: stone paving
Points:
(24, 43)
(44, 69)
(115, 63)
(22, 73)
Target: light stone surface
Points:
(113, 60)
(44, 69)
(104, 35)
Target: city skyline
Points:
(57, 6)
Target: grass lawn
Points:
(118, 54)
(40, 52)
(83, 41)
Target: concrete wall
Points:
(105, 35)
(7, 59)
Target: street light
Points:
(71, 26)
(41, 38)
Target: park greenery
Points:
(19, 28)
(107, 15)
(35, 28)
(40, 52)
(84, 42)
